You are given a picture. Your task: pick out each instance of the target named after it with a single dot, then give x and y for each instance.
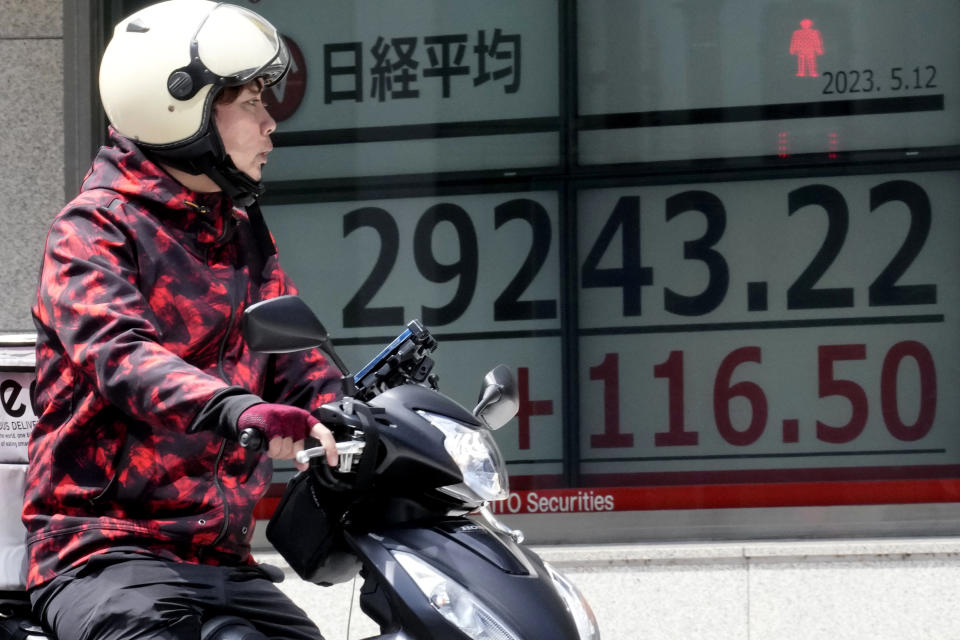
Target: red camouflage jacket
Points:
(142, 371)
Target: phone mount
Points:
(406, 359)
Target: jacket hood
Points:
(125, 169)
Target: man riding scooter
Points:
(139, 495)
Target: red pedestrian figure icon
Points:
(806, 44)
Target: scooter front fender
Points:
(509, 579)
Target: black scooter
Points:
(406, 505)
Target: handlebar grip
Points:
(251, 438)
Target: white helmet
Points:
(164, 67)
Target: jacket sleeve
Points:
(88, 296)
(303, 379)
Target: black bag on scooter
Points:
(306, 530)
(15, 617)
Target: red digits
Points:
(927, 395)
(830, 386)
(723, 391)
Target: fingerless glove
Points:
(277, 420)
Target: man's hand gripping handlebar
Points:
(285, 429)
(346, 416)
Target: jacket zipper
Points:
(223, 495)
(223, 374)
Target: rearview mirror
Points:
(499, 399)
(285, 324)
(282, 325)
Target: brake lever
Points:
(346, 451)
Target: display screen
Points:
(698, 79)
(385, 88)
(790, 321)
(786, 329)
(481, 271)
(770, 330)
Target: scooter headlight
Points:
(576, 604)
(476, 454)
(460, 607)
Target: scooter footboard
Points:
(437, 581)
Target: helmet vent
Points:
(136, 26)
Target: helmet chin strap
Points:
(245, 192)
(237, 185)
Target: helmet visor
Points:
(237, 45)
